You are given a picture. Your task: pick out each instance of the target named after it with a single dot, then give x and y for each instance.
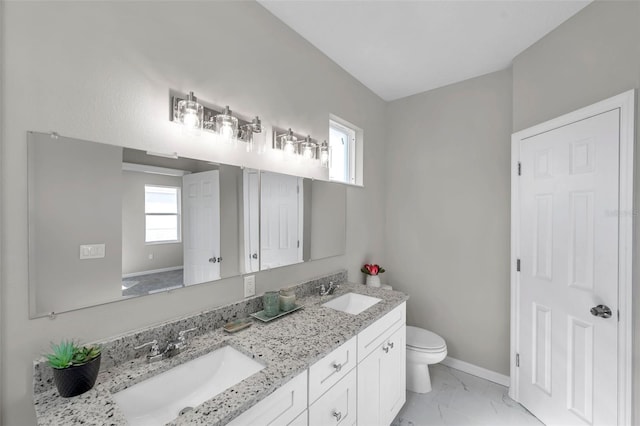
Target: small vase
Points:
(78, 379)
(373, 281)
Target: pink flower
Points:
(372, 269)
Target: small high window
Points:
(345, 142)
(162, 214)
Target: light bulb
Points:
(190, 119)
(307, 152)
(226, 130)
(289, 147)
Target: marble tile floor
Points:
(460, 399)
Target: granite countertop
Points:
(286, 346)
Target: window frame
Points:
(354, 136)
(178, 214)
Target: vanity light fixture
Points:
(324, 154)
(189, 112)
(293, 143)
(192, 115)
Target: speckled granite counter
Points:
(286, 347)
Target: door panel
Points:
(569, 253)
(201, 234)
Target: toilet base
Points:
(418, 378)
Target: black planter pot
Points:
(78, 379)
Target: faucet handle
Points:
(155, 349)
(183, 332)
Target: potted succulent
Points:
(75, 367)
(372, 271)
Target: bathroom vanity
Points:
(321, 366)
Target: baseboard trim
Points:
(152, 271)
(474, 370)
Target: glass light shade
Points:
(324, 156)
(289, 142)
(190, 114)
(308, 150)
(227, 126)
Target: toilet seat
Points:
(425, 341)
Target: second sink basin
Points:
(164, 397)
(352, 303)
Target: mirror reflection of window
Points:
(162, 214)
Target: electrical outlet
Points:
(150, 256)
(249, 285)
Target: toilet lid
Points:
(424, 339)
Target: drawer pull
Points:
(385, 348)
(337, 366)
(337, 415)
(391, 345)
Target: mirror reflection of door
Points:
(251, 200)
(281, 222)
(201, 223)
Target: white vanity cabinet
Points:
(284, 407)
(382, 369)
(362, 382)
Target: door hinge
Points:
(298, 189)
(517, 360)
(519, 168)
(298, 243)
(518, 265)
(618, 315)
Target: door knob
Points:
(337, 415)
(254, 256)
(602, 311)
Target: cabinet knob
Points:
(337, 415)
(337, 366)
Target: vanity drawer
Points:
(278, 409)
(338, 405)
(330, 369)
(372, 336)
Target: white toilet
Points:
(423, 348)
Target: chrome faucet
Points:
(330, 289)
(154, 352)
(173, 347)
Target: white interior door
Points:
(201, 227)
(251, 200)
(280, 220)
(569, 253)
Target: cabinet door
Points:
(337, 406)
(278, 409)
(393, 376)
(369, 370)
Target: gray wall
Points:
(591, 57)
(102, 71)
(135, 252)
(447, 230)
(75, 200)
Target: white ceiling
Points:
(400, 48)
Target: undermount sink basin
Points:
(162, 398)
(352, 303)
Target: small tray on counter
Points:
(237, 325)
(262, 317)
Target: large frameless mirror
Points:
(108, 223)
